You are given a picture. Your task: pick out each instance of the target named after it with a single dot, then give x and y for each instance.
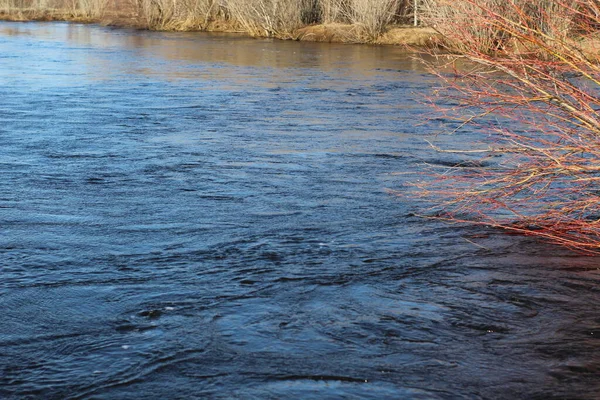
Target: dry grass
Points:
(422, 37)
(332, 33)
(348, 33)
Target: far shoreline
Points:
(416, 38)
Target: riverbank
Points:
(422, 37)
(399, 35)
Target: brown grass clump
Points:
(332, 33)
(423, 37)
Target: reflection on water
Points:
(206, 216)
(186, 52)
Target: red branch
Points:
(531, 88)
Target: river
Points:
(193, 215)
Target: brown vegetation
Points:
(357, 21)
(270, 18)
(532, 92)
(76, 10)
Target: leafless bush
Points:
(535, 104)
(334, 11)
(40, 8)
(156, 14)
(549, 17)
(176, 14)
(88, 8)
(373, 15)
(278, 18)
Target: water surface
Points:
(207, 216)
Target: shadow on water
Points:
(195, 215)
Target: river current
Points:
(190, 215)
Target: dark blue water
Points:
(208, 216)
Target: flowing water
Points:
(208, 216)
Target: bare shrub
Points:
(334, 11)
(372, 16)
(156, 14)
(536, 107)
(177, 14)
(552, 17)
(87, 9)
(279, 18)
(6, 6)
